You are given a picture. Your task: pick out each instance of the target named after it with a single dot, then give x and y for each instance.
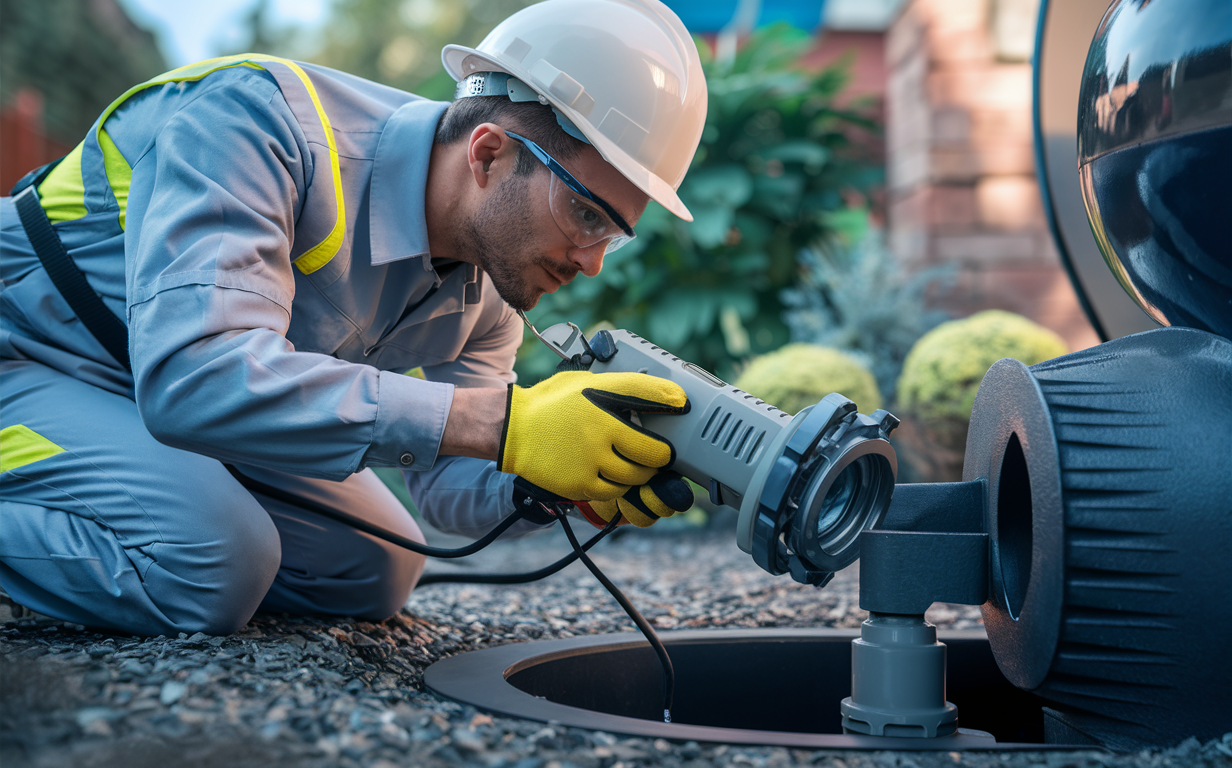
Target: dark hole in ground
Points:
(789, 685)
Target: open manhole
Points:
(768, 687)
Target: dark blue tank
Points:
(1155, 155)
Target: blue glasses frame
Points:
(571, 182)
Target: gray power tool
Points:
(805, 486)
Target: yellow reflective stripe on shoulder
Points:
(63, 193)
(119, 174)
(320, 254)
(187, 73)
(20, 445)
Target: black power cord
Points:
(515, 578)
(375, 530)
(669, 674)
(554, 511)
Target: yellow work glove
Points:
(644, 505)
(572, 434)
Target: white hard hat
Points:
(625, 72)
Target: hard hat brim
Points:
(461, 61)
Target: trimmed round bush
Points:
(943, 370)
(798, 375)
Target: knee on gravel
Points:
(212, 576)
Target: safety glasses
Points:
(585, 218)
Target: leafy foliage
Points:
(799, 375)
(773, 159)
(858, 299)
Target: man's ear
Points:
(488, 146)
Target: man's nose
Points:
(589, 259)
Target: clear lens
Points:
(837, 503)
(827, 534)
(582, 221)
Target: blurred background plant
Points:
(853, 296)
(798, 375)
(769, 178)
(940, 378)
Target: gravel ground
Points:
(309, 692)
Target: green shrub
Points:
(943, 370)
(798, 375)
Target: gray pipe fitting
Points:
(898, 680)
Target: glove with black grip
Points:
(643, 505)
(572, 434)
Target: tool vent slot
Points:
(731, 435)
(743, 441)
(710, 422)
(720, 424)
(754, 447)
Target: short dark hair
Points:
(533, 120)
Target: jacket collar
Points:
(397, 223)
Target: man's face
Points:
(515, 239)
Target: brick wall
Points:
(960, 170)
(24, 144)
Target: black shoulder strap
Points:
(69, 280)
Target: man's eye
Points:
(587, 217)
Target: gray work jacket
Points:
(260, 226)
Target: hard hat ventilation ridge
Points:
(504, 84)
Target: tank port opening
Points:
(1014, 542)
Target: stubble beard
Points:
(500, 237)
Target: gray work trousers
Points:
(122, 532)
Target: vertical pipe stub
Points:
(898, 680)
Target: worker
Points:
(274, 245)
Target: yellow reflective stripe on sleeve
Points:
(20, 445)
(63, 193)
(321, 253)
(119, 172)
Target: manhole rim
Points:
(479, 678)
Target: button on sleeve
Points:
(410, 422)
